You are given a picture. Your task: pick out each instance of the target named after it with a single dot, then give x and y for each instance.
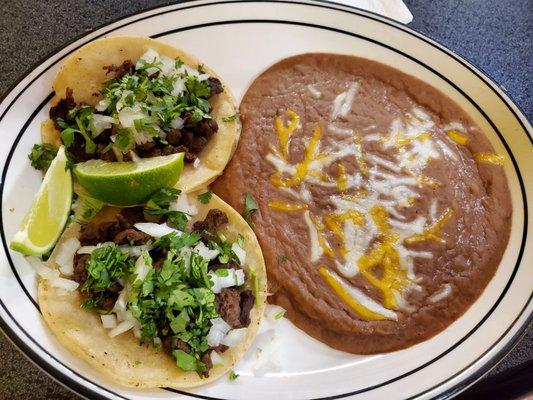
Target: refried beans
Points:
(384, 211)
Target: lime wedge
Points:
(128, 183)
(49, 212)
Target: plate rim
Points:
(489, 81)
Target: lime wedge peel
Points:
(46, 219)
(128, 183)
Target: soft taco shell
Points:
(83, 72)
(121, 358)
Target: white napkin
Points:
(394, 9)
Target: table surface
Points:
(495, 35)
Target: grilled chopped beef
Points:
(216, 266)
(173, 137)
(63, 106)
(130, 216)
(171, 343)
(247, 303)
(108, 301)
(80, 268)
(229, 306)
(206, 359)
(93, 233)
(131, 236)
(207, 127)
(215, 85)
(126, 68)
(115, 288)
(212, 222)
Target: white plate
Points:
(239, 41)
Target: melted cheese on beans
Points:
(366, 230)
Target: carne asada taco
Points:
(128, 98)
(169, 295)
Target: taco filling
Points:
(185, 292)
(149, 107)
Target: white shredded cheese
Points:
(444, 292)
(314, 92)
(344, 101)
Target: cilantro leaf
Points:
(41, 156)
(123, 139)
(231, 118)
(281, 259)
(184, 360)
(250, 207)
(204, 198)
(232, 376)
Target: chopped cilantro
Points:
(41, 156)
(158, 205)
(232, 376)
(123, 139)
(231, 118)
(86, 208)
(281, 259)
(279, 314)
(106, 265)
(250, 206)
(205, 197)
(222, 272)
(184, 360)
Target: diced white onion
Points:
(128, 115)
(216, 359)
(239, 252)
(168, 65)
(90, 249)
(135, 251)
(182, 204)
(196, 163)
(134, 156)
(51, 275)
(234, 337)
(102, 105)
(109, 321)
(203, 251)
(158, 342)
(151, 56)
(203, 77)
(141, 268)
(217, 332)
(234, 278)
(124, 326)
(101, 123)
(65, 284)
(156, 230)
(120, 305)
(42, 270)
(177, 123)
(65, 255)
(178, 87)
